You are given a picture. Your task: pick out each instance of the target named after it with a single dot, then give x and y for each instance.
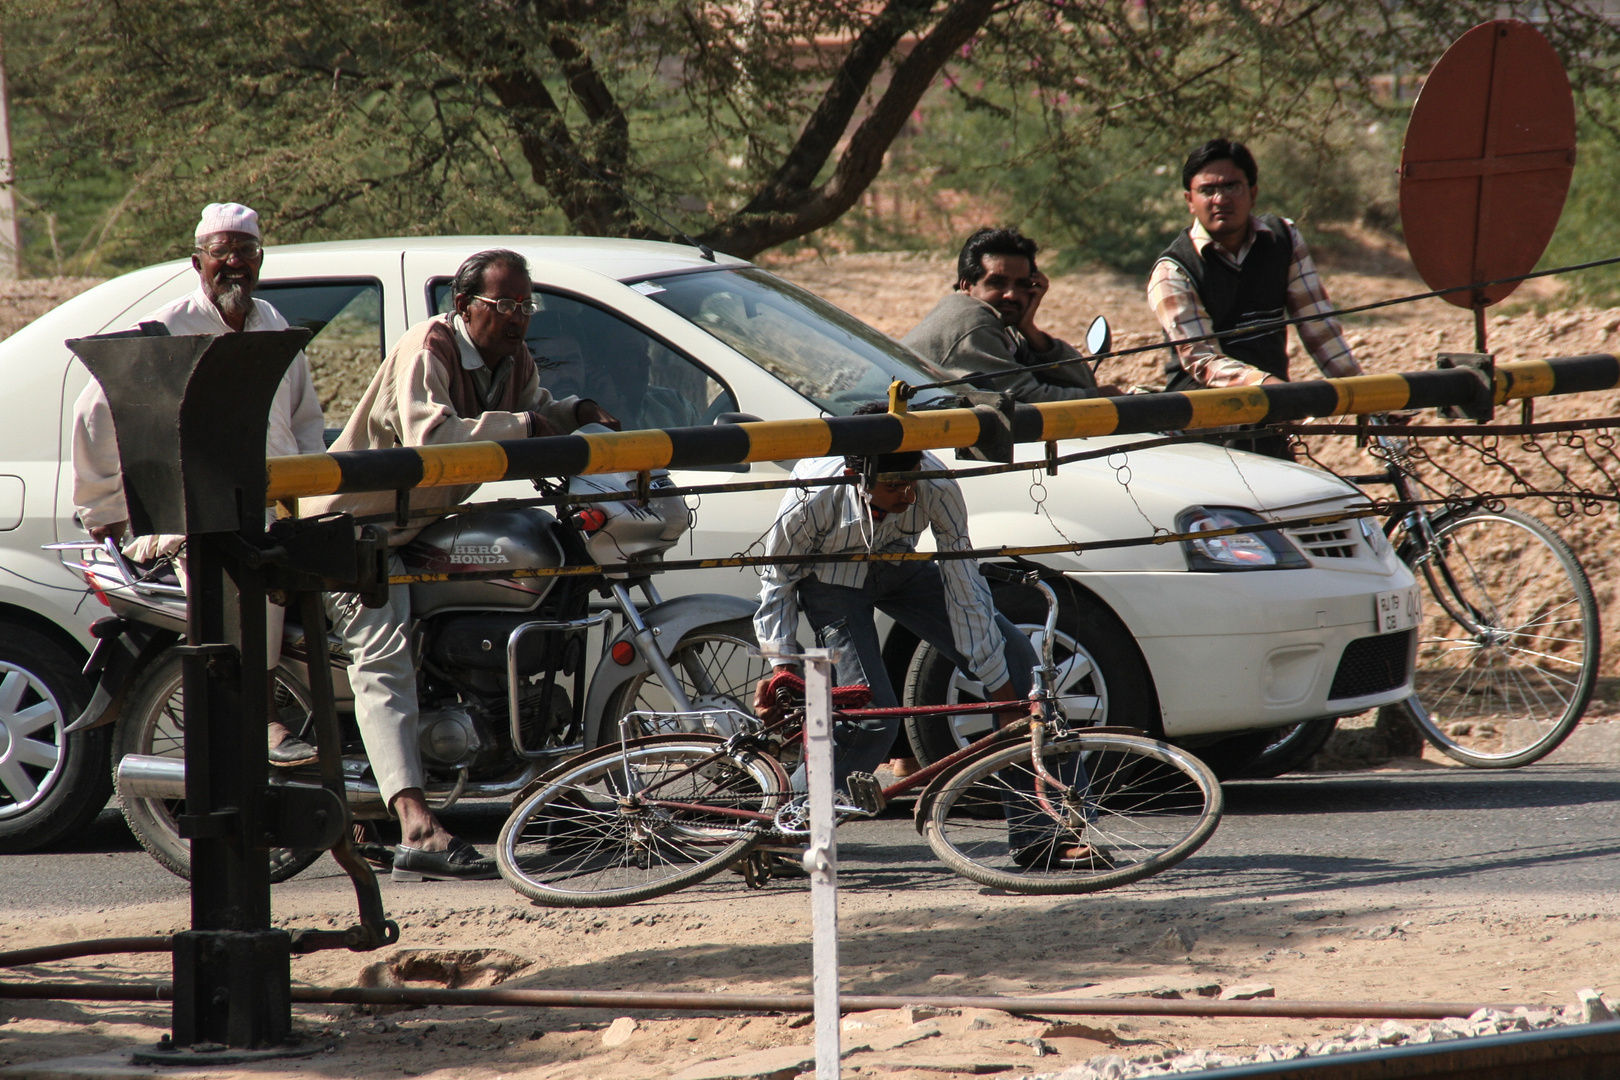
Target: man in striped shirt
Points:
(1231, 270)
(944, 602)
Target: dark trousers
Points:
(913, 595)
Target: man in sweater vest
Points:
(1232, 270)
(463, 376)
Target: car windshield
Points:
(826, 354)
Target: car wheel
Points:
(51, 784)
(1101, 674)
(1260, 755)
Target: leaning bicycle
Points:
(1508, 647)
(683, 796)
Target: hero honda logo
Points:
(479, 555)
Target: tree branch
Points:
(780, 213)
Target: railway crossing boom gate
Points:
(191, 415)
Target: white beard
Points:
(233, 300)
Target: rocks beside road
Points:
(1362, 1037)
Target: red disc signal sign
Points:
(1487, 160)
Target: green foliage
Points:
(747, 125)
(1590, 227)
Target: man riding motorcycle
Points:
(459, 377)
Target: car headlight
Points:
(1377, 542)
(1268, 550)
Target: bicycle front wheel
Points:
(661, 814)
(1148, 805)
(1508, 653)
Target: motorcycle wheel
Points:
(715, 671)
(154, 723)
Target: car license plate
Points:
(1398, 609)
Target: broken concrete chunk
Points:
(1248, 992)
(913, 1014)
(777, 1063)
(1593, 1008)
(1175, 941)
(618, 1033)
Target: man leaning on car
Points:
(227, 258)
(987, 325)
(462, 376)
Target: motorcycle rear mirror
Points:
(1099, 336)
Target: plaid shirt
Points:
(1181, 313)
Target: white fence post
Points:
(821, 860)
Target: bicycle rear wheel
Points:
(601, 832)
(1508, 653)
(1149, 806)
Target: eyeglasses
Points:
(506, 305)
(1230, 189)
(247, 249)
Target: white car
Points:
(1194, 641)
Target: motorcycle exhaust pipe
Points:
(146, 776)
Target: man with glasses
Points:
(987, 326)
(463, 376)
(1230, 271)
(227, 260)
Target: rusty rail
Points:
(699, 1002)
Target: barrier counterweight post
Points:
(821, 860)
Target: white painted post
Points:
(821, 860)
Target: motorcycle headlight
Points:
(1269, 550)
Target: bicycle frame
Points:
(1042, 701)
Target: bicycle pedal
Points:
(865, 793)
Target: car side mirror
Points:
(1099, 337)
(737, 418)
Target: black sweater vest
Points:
(1256, 292)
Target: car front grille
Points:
(1333, 542)
(1371, 665)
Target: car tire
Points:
(1096, 657)
(1260, 755)
(51, 784)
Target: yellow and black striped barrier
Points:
(775, 440)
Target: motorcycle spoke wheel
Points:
(596, 834)
(715, 670)
(155, 725)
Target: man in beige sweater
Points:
(459, 377)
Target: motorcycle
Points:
(502, 663)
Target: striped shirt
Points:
(1175, 301)
(835, 520)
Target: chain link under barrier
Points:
(1572, 465)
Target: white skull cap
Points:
(228, 217)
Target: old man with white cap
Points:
(227, 258)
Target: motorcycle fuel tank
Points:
(515, 539)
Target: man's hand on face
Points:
(115, 529)
(589, 412)
(1038, 339)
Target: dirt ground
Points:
(721, 937)
(1143, 941)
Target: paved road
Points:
(1547, 831)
